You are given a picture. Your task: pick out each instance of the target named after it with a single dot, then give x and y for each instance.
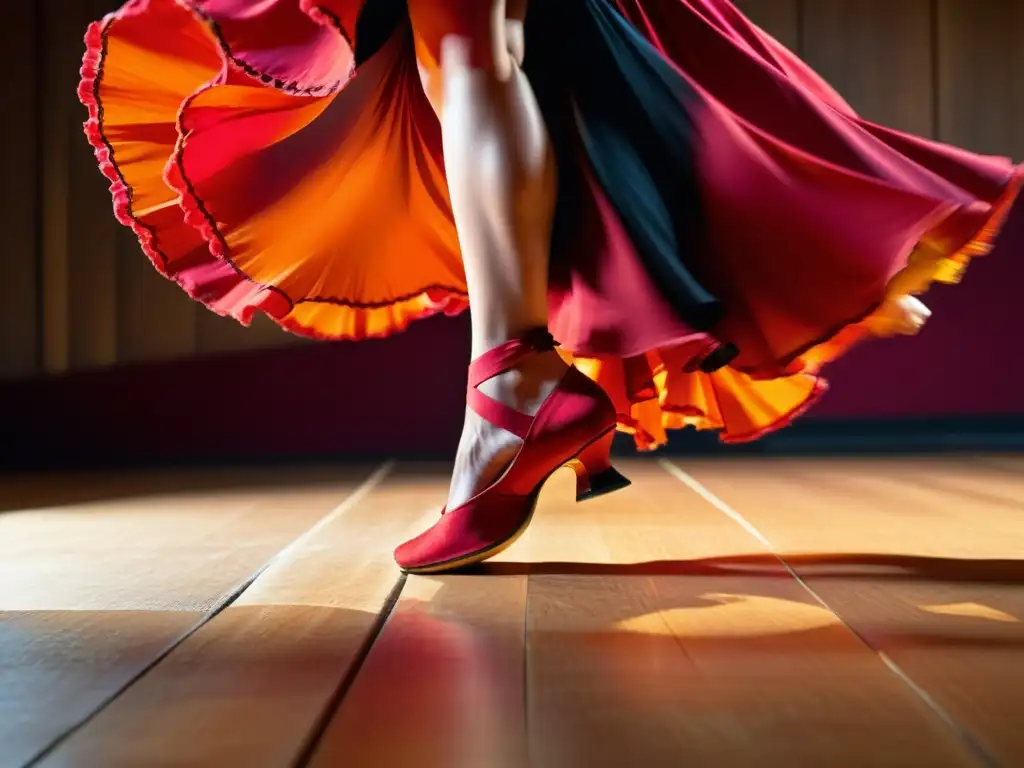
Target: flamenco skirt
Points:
(726, 223)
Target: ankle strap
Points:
(508, 355)
(497, 361)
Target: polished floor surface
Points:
(797, 612)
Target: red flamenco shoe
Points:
(574, 427)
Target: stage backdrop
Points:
(98, 350)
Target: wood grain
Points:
(653, 627)
(57, 90)
(922, 558)
(980, 69)
(222, 334)
(19, 196)
(979, 72)
(779, 18)
(91, 229)
(443, 686)
(878, 55)
(156, 318)
(647, 657)
(93, 592)
(250, 686)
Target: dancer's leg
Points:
(501, 177)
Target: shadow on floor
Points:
(875, 567)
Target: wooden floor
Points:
(818, 612)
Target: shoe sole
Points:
(609, 481)
(605, 483)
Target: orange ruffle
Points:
(322, 240)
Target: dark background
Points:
(102, 360)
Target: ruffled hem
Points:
(819, 390)
(949, 269)
(298, 86)
(215, 280)
(88, 94)
(673, 396)
(675, 418)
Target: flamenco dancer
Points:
(696, 216)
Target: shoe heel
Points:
(595, 475)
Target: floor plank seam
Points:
(371, 482)
(206, 619)
(323, 722)
(972, 744)
(526, 672)
(360, 493)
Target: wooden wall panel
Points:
(878, 54)
(19, 326)
(91, 258)
(221, 334)
(58, 74)
(157, 319)
(1016, 107)
(79, 251)
(980, 69)
(779, 18)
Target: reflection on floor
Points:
(796, 612)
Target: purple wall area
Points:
(375, 397)
(405, 393)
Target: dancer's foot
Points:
(913, 314)
(567, 429)
(485, 450)
(903, 315)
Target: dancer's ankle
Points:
(497, 332)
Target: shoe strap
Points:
(496, 361)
